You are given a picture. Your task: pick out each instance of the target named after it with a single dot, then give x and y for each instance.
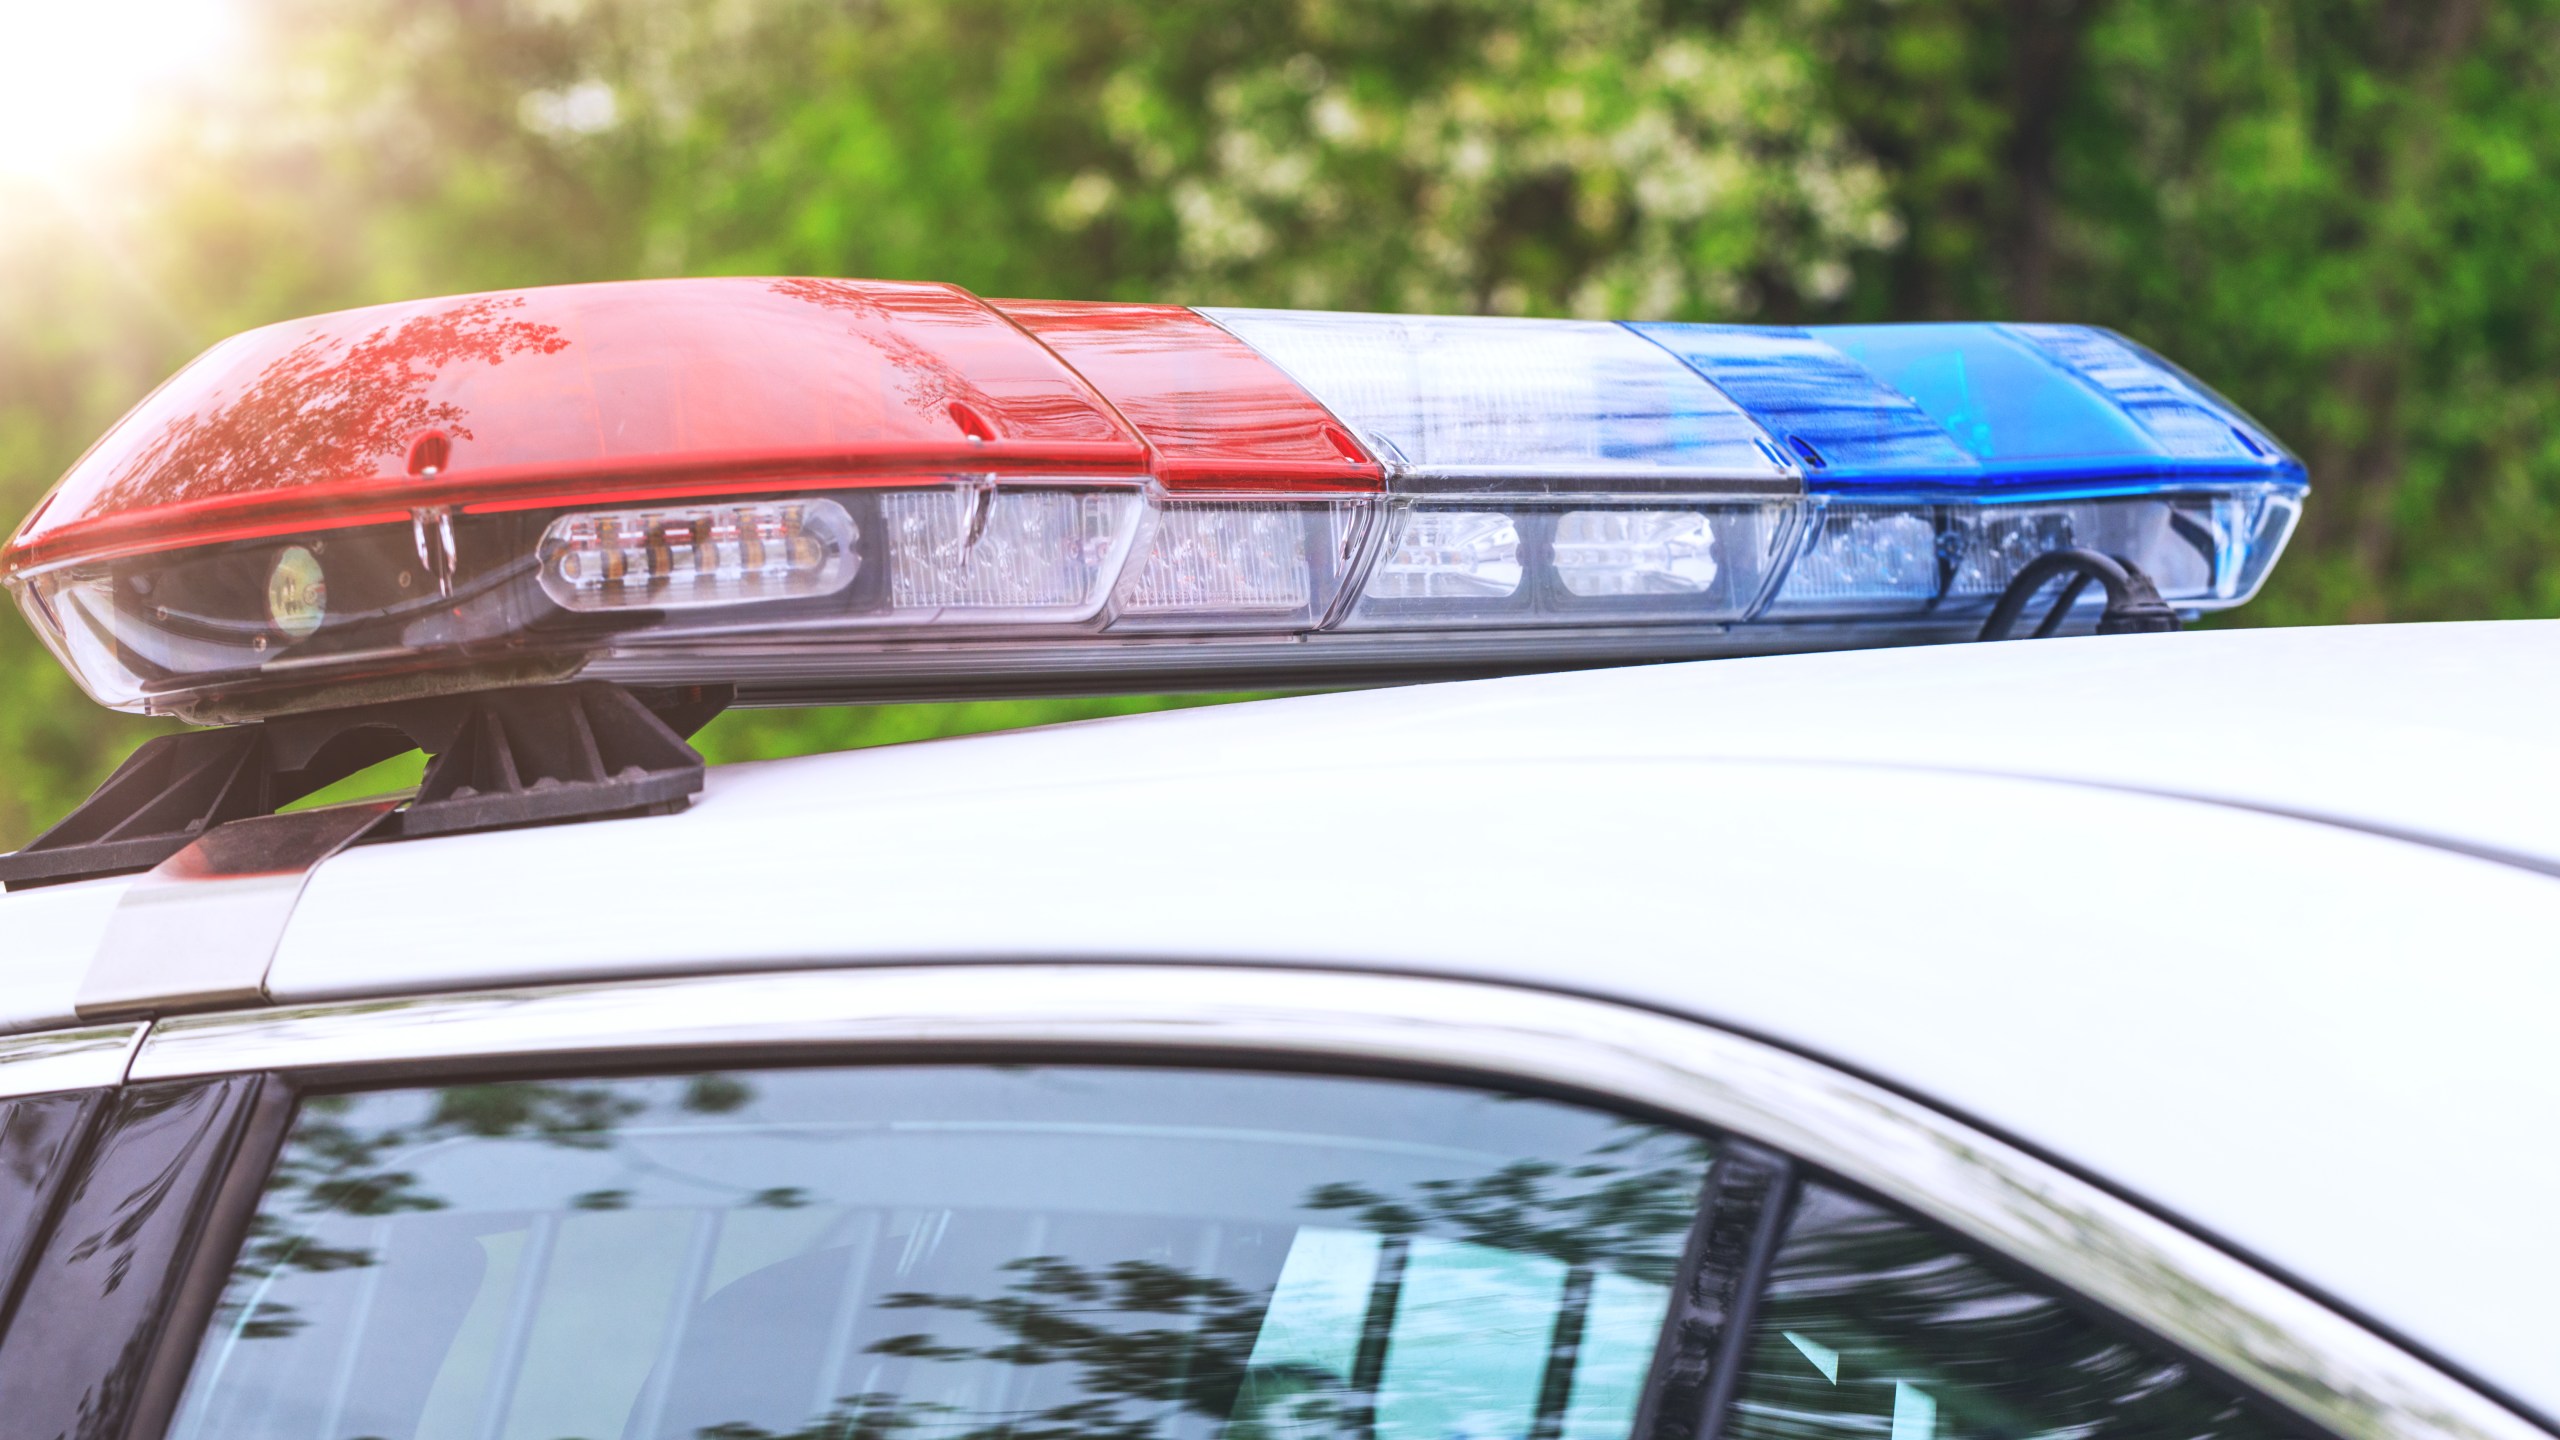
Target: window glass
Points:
(950, 1253)
(1876, 1327)
(36, 1136)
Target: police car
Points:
(2129, 1035)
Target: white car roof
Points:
(2213, 917)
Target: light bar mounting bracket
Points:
(501, 758)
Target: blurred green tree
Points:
(2334, 209)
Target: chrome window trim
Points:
(89, 1058)
(2290, 1347)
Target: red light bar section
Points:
(586, 393)
(1218, 416)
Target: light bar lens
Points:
(700, 555)
(1862, 559)
(297, 593)
(2178, 415)
(1245, 560)
(1449, 555)
(75, 611)
(1566, 564)
(978, 553)
(1635, 552)
(1047, 578)
(1515, 404)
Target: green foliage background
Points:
(2338, 211)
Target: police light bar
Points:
(829, 489)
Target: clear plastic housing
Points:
(1450, 555)
(1220, 564)
(1862, 556)
(1635, 552)
(1515, 404)
(1558, 564)
(978, 553)
(2203, 551)
(74, 610)
(1053, 584)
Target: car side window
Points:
(950, 1253)
(37, 1136)
(1877, 1327)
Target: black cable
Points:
(2134, 606)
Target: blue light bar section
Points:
(1957, 410)
(2189, 421)
(1826, 408)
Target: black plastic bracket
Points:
(2134, 606)
(584, 751)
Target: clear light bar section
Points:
(978, 553)
(1986, 548)
(1449, 554)
(2204, 551)
(1216, 563)
(76, 617)
(1501, 404)
(695, 555)
(1565, 563)
(1635, 552)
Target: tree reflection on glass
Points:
(1187, 1350)
(952, 1253)
(333, 1167)
(924, 379)
(1624, 1207)
(328, 409)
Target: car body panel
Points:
(47, 938)
(2146, 988)
(2132, 901)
